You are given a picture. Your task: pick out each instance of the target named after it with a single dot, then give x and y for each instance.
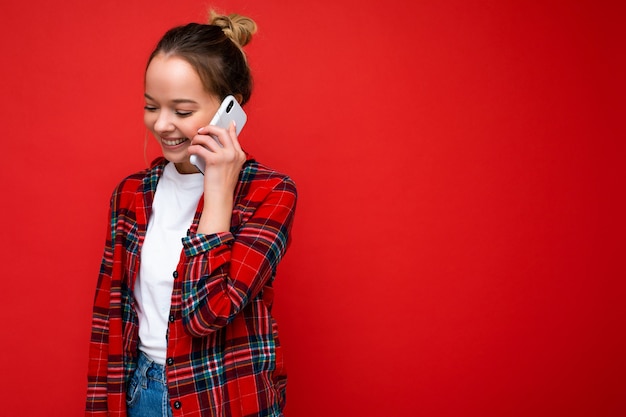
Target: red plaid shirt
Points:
(223, 355)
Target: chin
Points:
(176, 157)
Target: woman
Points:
(181, 320)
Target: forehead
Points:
(171, 75)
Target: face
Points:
(177, 105)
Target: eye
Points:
(183, 113)
(149, 108)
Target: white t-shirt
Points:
(175, 202)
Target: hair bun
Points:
(238, 28)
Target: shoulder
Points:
(262, 176)
(139, 182)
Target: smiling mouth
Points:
(173, 142)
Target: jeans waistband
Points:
(150, 369)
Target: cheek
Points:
(189, 128)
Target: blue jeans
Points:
(147, 392)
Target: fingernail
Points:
(201, 129)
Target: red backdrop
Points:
(459, 244)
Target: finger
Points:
(228, 136)
(210, 136)
(221, 134)
(201, 151)
(232, 129)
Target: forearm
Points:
(216, 213)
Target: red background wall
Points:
(459, 245)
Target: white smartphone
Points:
(229, 110)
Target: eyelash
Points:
(177, 112)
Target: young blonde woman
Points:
(182, 321)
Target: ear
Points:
(238, 97)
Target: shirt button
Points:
(175, 274)
(171, 318)
(177, 405)
(170, 361)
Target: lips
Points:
(172, 141)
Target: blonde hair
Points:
(237, 27)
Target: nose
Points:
(163, 122)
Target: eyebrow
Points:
(177, 101)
